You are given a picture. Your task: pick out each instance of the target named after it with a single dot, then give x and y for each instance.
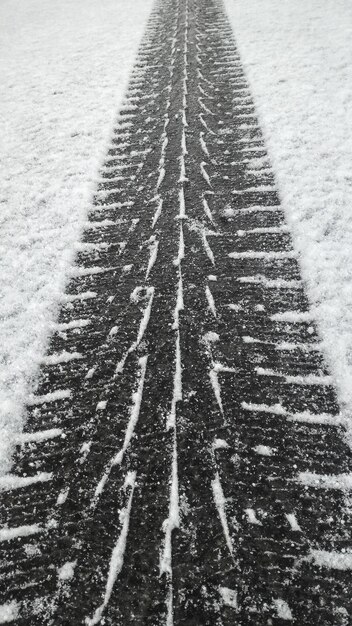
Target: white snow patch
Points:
(283, 610)
(263, 450)
(66, 572)
(291, 518)
(252, 518)
(229, 597)
(210, 299)
(220, 503)
(342, 482)
(8, 482)
(6, 534)
(39, 435)
(220, 444)
(54, 396)
(331, 560)
(8, 612)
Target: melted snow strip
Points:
(117, 557)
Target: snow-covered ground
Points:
(64, 67)
(298, 59)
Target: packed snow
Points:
(64, 70)
(298, 59)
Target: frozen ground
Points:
(63, 71)
(298, 58)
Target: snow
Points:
(118, 553)
(130, 430)
(64, 69)
(263, 450)
(39, 435)
(210, 299)
(331, 560)
(6, 534)
(142, 327)
(291, 518)
(252, 518)
(66, 572)
(297, 56)
(309, 379)
(220, 503)
(11, 481)
(60, 394)
(8, 612)
(326, 481)
(283, 610)
(229, 597)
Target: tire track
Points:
(182, 462)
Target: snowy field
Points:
(64, 68)
(298, 59)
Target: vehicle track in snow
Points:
(184, 460)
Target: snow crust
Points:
(298, 56)
(64, 70)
